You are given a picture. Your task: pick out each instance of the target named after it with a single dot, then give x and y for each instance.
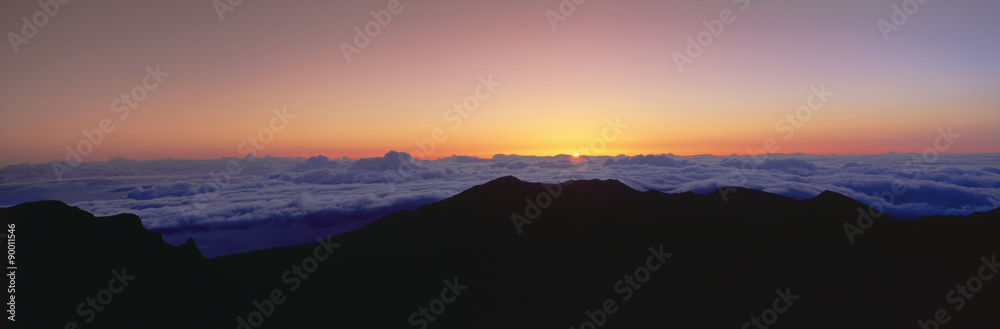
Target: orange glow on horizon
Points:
(555, 93)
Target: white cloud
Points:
(163, 192)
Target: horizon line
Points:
(4, 165)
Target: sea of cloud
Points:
(179, 197)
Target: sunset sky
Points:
(557, 88)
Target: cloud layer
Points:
(178, 196)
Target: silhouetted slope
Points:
(731, 249)
(66, 255)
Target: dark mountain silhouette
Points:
(729, 251)
(65, 255)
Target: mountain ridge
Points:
(729, 255)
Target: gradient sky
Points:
(608, 59)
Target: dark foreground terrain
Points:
(589, 254)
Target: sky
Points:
(536, 77)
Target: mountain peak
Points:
(508, 184)
(741, 196)
(122, 234)
(831, 198)
(827, 194)
(190, 248)
(50, 209)
(505, 180)
(600, 185)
